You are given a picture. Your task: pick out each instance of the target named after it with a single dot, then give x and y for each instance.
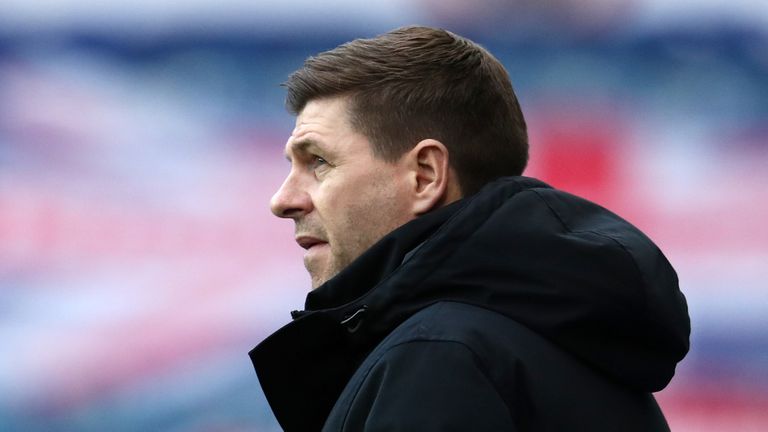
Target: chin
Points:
(317, 278)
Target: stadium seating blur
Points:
(140, 143)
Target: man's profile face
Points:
(341, 197)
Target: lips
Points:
(307, 242)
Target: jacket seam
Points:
(621, 246)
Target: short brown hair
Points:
(415, 83)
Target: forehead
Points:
(324, 115)
(322, 123)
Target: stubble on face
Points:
(371, 215)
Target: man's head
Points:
(390, 128)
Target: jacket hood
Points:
(564, 267)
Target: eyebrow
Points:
(304, 145)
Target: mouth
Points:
(308, 242)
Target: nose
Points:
(291, 200)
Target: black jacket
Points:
(519, 308)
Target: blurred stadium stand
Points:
(140, 142)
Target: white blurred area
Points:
(257, 16)
(140, 142)
(148, 17)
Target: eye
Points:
(317, 162)
(319, 165)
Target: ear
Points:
(431, 180)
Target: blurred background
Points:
(140, 142)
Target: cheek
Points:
(344, 193)
(378, 210)
(360, 211)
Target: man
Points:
(449, 292)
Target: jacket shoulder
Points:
(454, 365)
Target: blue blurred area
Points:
(138, 150)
